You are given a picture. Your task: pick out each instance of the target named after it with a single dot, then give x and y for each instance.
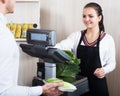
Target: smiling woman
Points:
(65, 16)
(90, 18)
(94, 47)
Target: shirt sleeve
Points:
(110, 61)
(70, 42)
(65, 44)
(23, 91)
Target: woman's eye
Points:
(91, 16)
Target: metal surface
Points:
(82, 87)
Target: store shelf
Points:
(26, 11)
(20, 40)
(27, 0)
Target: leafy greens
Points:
(70, 69)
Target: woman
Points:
(95, 48)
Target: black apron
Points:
(90, 60)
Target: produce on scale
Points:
(69, 70)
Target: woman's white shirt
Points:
(107, 49)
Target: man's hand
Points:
(99, 72)
(51, 89)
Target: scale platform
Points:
(82, 87)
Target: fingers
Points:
(99, 72)
(58, 84)
(53, 92)
(52, 85)
(51, 89)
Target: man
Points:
(9, 62)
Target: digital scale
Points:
(39, 44)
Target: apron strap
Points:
(82, 35)
(98, 41)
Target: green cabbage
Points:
(53, 80)
(68, 87)
(69, 70)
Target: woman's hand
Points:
(99, 72)
(51, 89)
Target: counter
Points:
(82, 87)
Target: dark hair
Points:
(98, 9)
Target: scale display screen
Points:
(36, 36)
(41, 37)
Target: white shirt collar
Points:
(3, 19)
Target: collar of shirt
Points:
(3, 19)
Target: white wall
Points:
(64, 16)
(25, 12)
